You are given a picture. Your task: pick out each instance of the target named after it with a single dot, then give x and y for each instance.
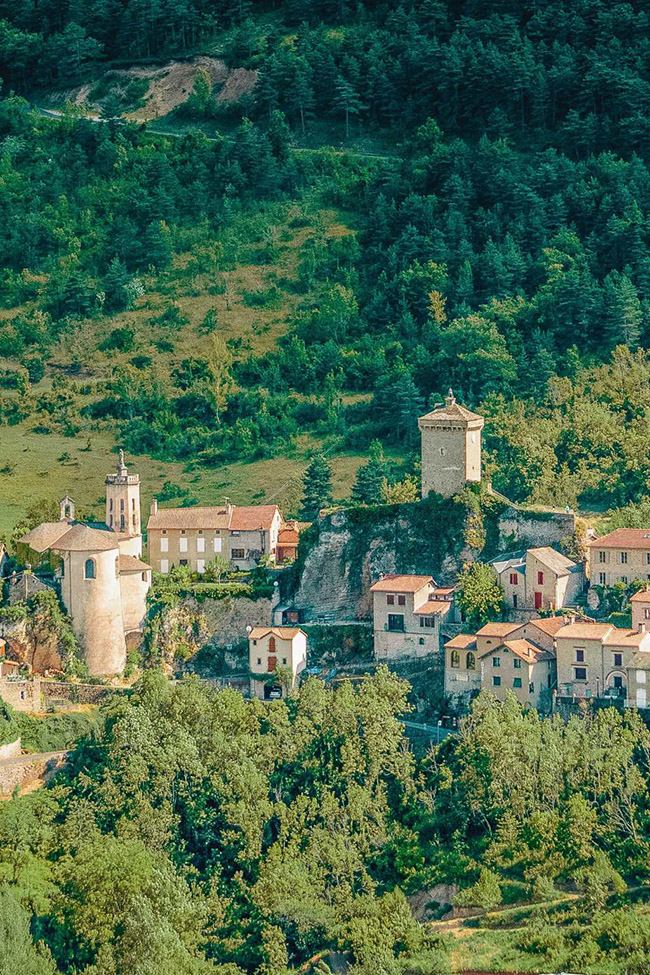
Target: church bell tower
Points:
(123, 501)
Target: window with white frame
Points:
(183, 544)
(164, 566)
(216, 544)
(200, 545)
(200, 565)
(164, 544)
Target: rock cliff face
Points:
(344, 552)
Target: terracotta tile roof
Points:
(555, 561)
(282, 632)
(624, 538)
(523, 648)
(253, 518)
(192, 518)
(499, 629)
(549, 625)
(626, 638)
(584, 631)
(433, 608)
(451, 411)
(81, 538)
(442, 591)
(44, 535)
(401, 583)
(288, 536)
(642, 596)
(462, 641)
(129, 563)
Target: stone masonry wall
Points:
(226, 619)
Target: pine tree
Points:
(317, 487)
(622, 311)
(367, 486)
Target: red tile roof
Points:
(433, 608)
(401, 583)
(624, 538)
(462, 641)
(642, 596)
(247, 518)
(253, 518)
(282, 632)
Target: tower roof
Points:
(451, 411)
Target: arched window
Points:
(470, 663)
(110, 504)
(272, 644)
(89, 569)
(455, 658)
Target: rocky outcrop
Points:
(344, 552)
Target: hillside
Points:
(226, 298)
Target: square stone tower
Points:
(123, 500)
(451, 448)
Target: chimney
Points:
(153, 510)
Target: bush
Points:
(485, 893)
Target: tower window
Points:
(133, 504)
(110, 504)
(121, 504)
(89, 569)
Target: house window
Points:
(470, 661)
(601, 556)
(540, 578)
(428, 622)
(516, 682)
(284, 661)
(259, 660)
(182, 561)
(531, 688)
(496, 661)
(580, 673)
(271, 644)
(200, 545)
(164, 566)
(421, 641)
(602, 579)
(647, 558)
(164, 544)
(237, 553)
(121, 504)
(89, 569)
(624, 579)
(200, 566)
(455, 658)
(516, 663)
(513, 578)
(496, 682)
(514, 600)
(216, 544)
(396, 622)
(618, 659)
(580, 656)
(640, 676)
(623, 558)
(390, 599)
(183, 544)
(647, 614)
(63, 569)
(122, 522)
(401, 600)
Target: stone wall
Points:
(10, 750)
(344, 552)
(525, 528)
(58, 694)
(23, 695)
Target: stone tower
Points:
(451, 448)
(123, 505)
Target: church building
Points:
(103, 580)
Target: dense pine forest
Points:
(491, 233)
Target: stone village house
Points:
(409, 612)
(538, 579)
(270, 647)
(195, 536)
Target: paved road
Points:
(34, 757)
